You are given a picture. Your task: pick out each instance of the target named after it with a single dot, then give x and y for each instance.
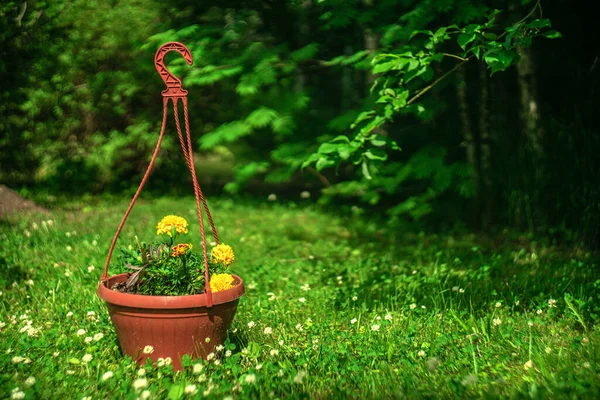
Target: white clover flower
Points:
(98, 336)
(548, 350)
(388, 317)
(529, 323)
(268, 330)
(299, 327)
(528, 365)
(252, 285)
(272, 197)
(219, 348)
(274, 352)
(69, 314)
(305, 195)
(141, 372)
(461, 290)
(68, 234)
(584, 341)
(168, 360)
(87, 358)
(251, 324)
(299, 377)
(258, 366)
(107, 375)
(302, 300)
(305, 287)
(538, 312)
(354, 298)
(29, 282)
(91, 268)
(91, 313)
(148, 349)
(375, 328)
(88, 339)
(30, 381)
(228, 353)
(517, 303)
(250, 379)
(271, 296)
(17, 394)
(210, 356)
(498, 304)
(145, 394)
(353, 321)
(190, 389)
(497, 321)
(421, 353)
(94, 243)
(81, 332)
(69, 248)
(281, 342)
(67, 273)
(551, 303)
(27, 360)
(413, 306)
(455, 288)
(55, 354)
(140, 383)
(197, 368)
(160, 362)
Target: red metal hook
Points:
(173, 83)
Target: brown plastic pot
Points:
(172, 325)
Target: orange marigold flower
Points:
(169, 222)
(222, 253)
(181, 249)
(219, 282)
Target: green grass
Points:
(356, 310)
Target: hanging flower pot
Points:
(156, 316)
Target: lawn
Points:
(335, 307)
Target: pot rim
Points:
(165, 302)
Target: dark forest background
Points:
(273, 81)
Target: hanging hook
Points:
(173, 83)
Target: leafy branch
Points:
(401, 73)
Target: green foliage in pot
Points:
(168, 268)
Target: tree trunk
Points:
(485, 141)
(469, 142)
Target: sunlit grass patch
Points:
(334, 308)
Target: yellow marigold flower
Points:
(219, 282)
(169, 222)
(181, 249)
(222, 253)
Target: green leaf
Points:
(175, 392)
(362, 117)
(365, 170)
(384, 67)
(375, 154)
(261, 117)
(539, 24)
(328, 148)
(283, 125)
(323, 163)
(464, 39)
(552, 34)
(305, 53)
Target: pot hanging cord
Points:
(174, 92)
